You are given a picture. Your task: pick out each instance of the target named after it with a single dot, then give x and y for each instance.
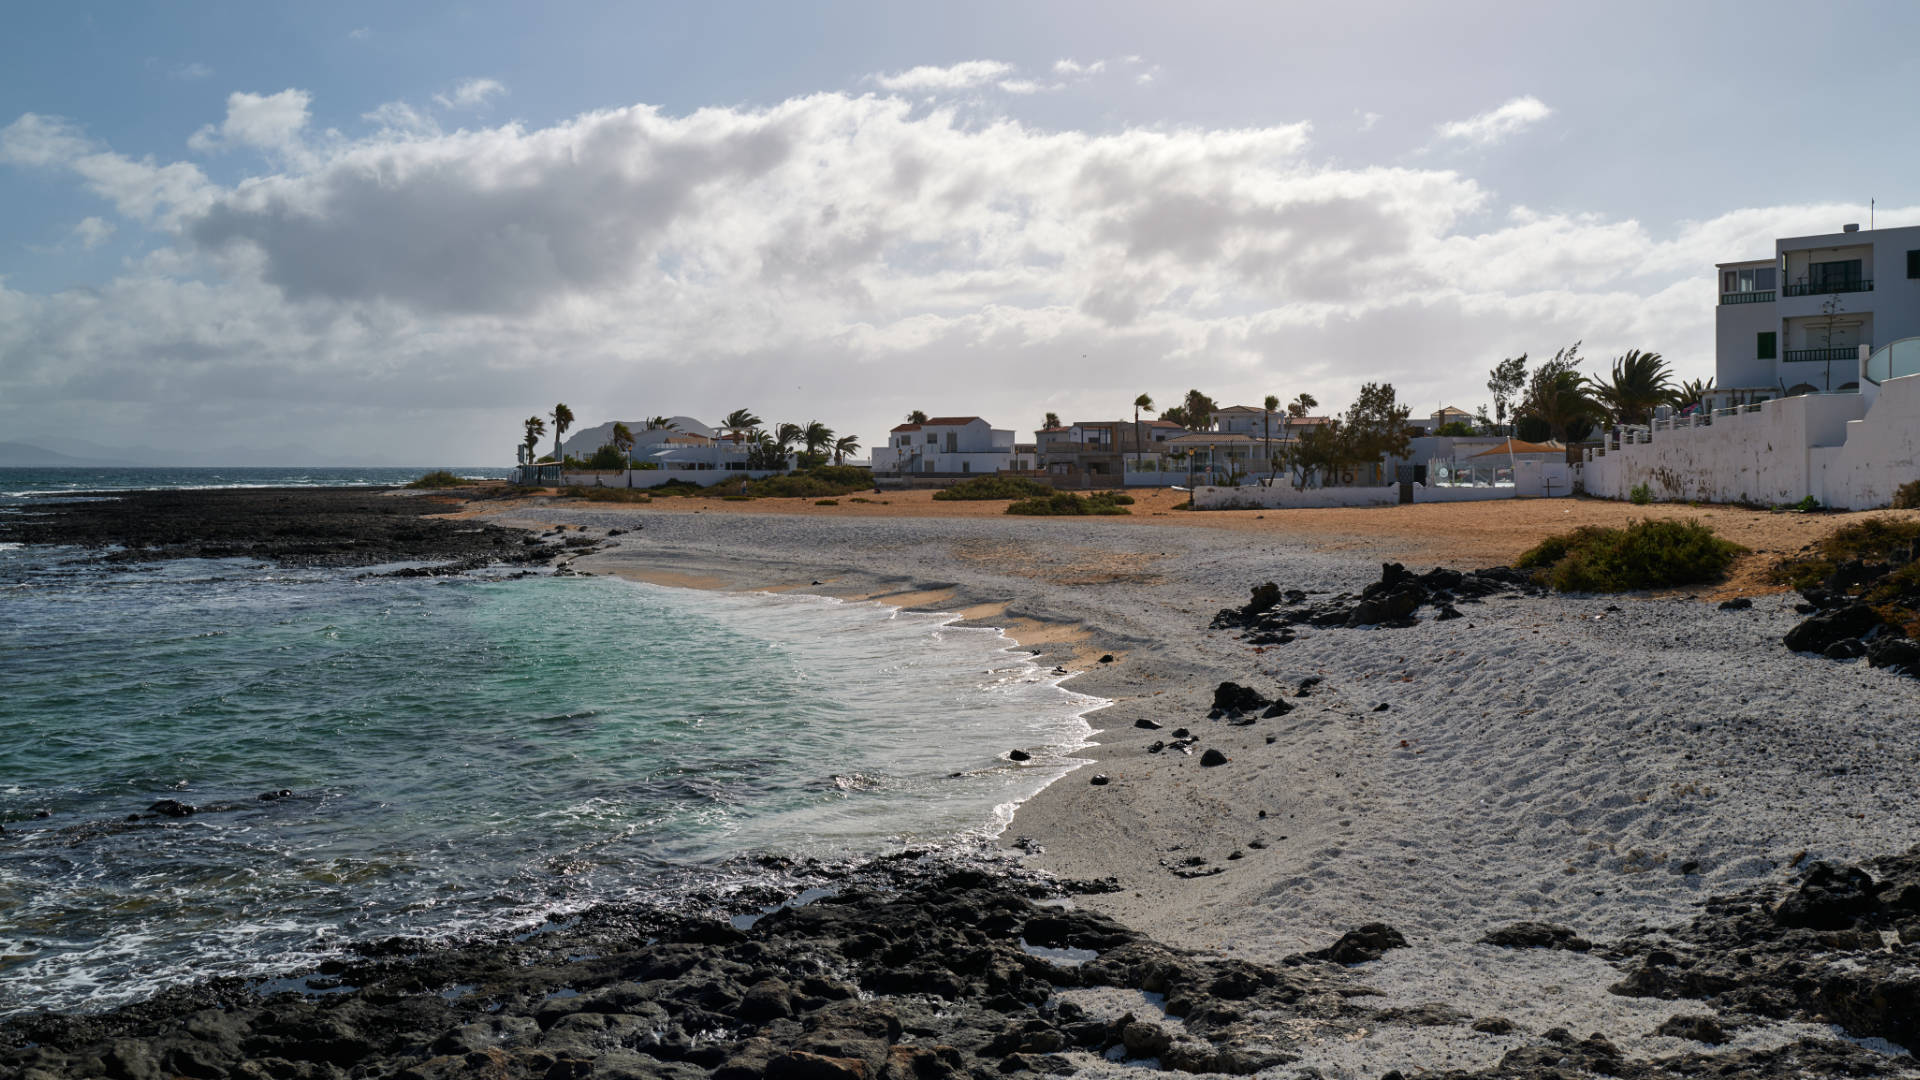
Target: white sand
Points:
(1539, 759)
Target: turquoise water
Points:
(465, 754)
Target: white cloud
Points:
(271, 122)
(400, 118)
(1495, 125)
(961, 76)
(191, 72)
(138, 189)
(1072, 67)
(1367, 120)
(92, 232)
(360, 33)
(470, 94)
(843, 256)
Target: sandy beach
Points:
(1600, 763)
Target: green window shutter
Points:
(1768, 344)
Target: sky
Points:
(389, 233)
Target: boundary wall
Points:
(1846, 451)
(647, 478)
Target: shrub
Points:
(1644, 555)
(736, 498)
(1641, 495)
(1066, 503)
(826, 502)
(678, 486)
(1874, 540)
(994, 487)
(823, 482)
(607, 459)
(857, 498)
(1807, 505)
(438, 478)
(1907, 496)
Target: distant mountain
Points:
(21, 455)
(78, 452)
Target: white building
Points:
(1817, 384)
(945, 446)
(1794, 323)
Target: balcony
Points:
(1763, 296)
(1818, 356)
(1829, 287)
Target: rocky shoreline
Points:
(306, 527)
(923, 967)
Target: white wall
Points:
(1820, 445)
(646, 478)
(1284, 496)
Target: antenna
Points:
(1870, 203)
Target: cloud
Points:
(962, 76)
(271, 122)
(1367, 120)
(360, 33)
(400, 118)
(92, 232)
(1496, 125)
(190, 72)
(1070, 67)
(470, 94)
(841, 256)
(156, 194)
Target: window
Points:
(952, 441)
(1768, 346)
(966, 466)
(930, 438)
(1841, 276)
(1913, 264)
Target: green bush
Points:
(1907, 496)
(1641, 495)
(678, 486)
(1807, 505)
(1644, 555)
(994, 487)
(438, 478)
(1066, 503)
(821, 482)
(607, 459)
(826, 502)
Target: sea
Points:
(459, 756)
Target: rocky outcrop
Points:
(1396, 600)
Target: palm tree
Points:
(917, 416)
(623, 439)
(739, 422)
(1560, 399)
(1199, 410)
(1690, 393)
(1052, 421)
(536, 427)
(844, 445)
(1297, 409)
(817, 437)
(1639, 383)
(1141, 402)
(562, 420)
(1269, 406)
(661, 423)
(784, 436)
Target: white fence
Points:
(1846, 451)
(648, 478)
(1531, 479)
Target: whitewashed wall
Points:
(1819, 445)
(646, 478)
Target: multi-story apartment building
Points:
(1794, 323)
(945, 446)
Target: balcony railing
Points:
(1829, 287)
(1762, 296)
(1817, 356)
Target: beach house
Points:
(1816, 354)
(945, 446)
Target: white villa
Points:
(945, 446)
(1817, 383)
